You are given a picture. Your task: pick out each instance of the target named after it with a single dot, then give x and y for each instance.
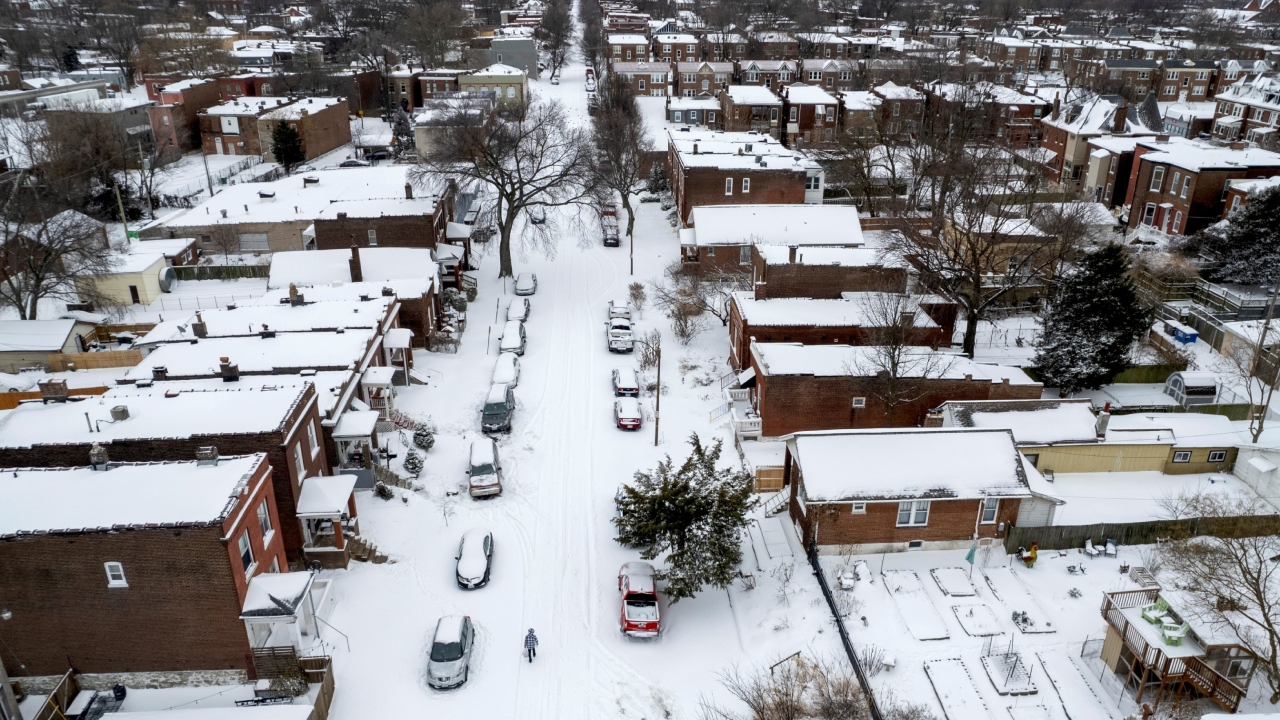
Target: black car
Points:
(353, 163)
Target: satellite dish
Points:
(168, 276)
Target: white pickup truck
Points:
(619, 334)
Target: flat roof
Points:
(1185, 430)
(845, 360)
(329, 350)
(81, 498)
(926, 463)
(295, 110)
(407, 288)
(841, 256)
(752, 95)
(249, 319)
(808, 95)
(736, 151)
(329, 385)
(1030, 421)
(247, 105)
(828, 225)
(812, 312)
(322, 267)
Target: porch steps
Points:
(418, 377)
(777, 503)
(365, 551)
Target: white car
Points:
(518, 309)
(618, 333)
(619, 309)
(526, 284)
(507, 369)
(513, 337)
(475, 559)
(484, 470)
(625, 383)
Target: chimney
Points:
(791, 254)
(1238, 145)
(1163, 139)
(357, 275)
(1104, 419)
(388, 292)
(207, 455)
(933, 419)
(294, 297)
(761, 290)
(1122, 115)
(98, 457)
(53, 390)
(229, 372)
(695, 148)
(1057, 105)
(159, 372)
(408, 191)
(199, 328)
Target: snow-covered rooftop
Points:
(126, 494)
(301, 711)
(803, 94)
(325, 495)
(855, 100)
(752, 95)
(628, 39)
(322, 267)
(302, 107)
(694, 103)
(1185, 430)
(1197, 156)
(812, 312)
(251, 319)
(268, 591)
(937, 463)
(285, 352)
(1250, 187)
(330, 386)
(1031, 421)
(34, 335)
(247, 106)
(736, 151)
(844, 360)
(497, 69)
(825, 225)
(892, 91)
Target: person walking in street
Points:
(531, 645)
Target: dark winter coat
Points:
(530, 641)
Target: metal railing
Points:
(844, 634)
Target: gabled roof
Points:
(34, 335)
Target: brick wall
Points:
(822, 281)
(246, 143)
(949, 520)
(325, 130)
(706, 186)
(416, 231)
(741, 333)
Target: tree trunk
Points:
(504, 248)
(970, 332)
(631, 226)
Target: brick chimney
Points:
(199, 328)
(159, 372)
(1122, 115)
(357, 274)
(791, 254)
(1057, 105)
(408, 191)
(228, 371)
(53, 390)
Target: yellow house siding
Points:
(1199, 462)
(1102, 457)
(116, 287)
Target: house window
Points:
(693, 116)
(711, 251)
(264, 522)
(301, 465)
(275, 565)
(831, 114)
(1218, 456)
(794, 113)
(913, 513)
(640, 84)
(246, 553)
(1182, 456)
(711, 117)
(744, 255)
(859, 508)
(1157, 179)
(990, 508)
(677, 116)
(813, 182)
(1032, 458)
(1186, 185)
(815, 74)
(746, 185)
(1235, 203)
(373, 237)
(728, 186)
(311, 439)
(1170, 89)
(115, 575)
(1174, 185)
(1149, 214)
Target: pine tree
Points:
(1248, 246)
(286, 146)
(694, 514)
(1091, 324)
(413, 462)
(423, 436)
(402, 132)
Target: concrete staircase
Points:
(365, 551)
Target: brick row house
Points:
(1179, 186)
(1249, 110)
(701, 78)
(175, 122)
(645, 78)
(1067, 132)
(1009, 115)
(750, 108)
(812, 115)
(322, 125)
(231, 128)
(674, 48)
(628, 48)
(722, 237)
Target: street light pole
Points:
(657, 394)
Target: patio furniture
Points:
(1155, 612)
(1090, 550)
(1111, 547)
(1174, 636)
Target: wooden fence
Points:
(1065, 537)
(220, 272)
(93, 361)
(56, 704)
(10, 400)
(319, 670)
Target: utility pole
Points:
(207, 177)
(657, 397)
(120, 205)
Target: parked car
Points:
(526, 283)
(591, 84)
(609, 226)
(513, 337)
(627, 413)
(555, 79)
(618, 333)
(450, 657)
(640, 613)
(484, 471)
(625, 383)
(537, 216)
(499, 406)
(353, 163)
(619, 308)
(475, 559)
(518, 309)
(507, 370)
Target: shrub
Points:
(424, 436)
(413, 462)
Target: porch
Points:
(286, 610)
(743, 417)
(327, 509)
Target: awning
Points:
(689, 237)
(356, 424)
(276, 595)
(1262, 465)
(397, 338)
(1227, 121)
(457, 231)
(746, 376)
(378, 375)
(325, 496)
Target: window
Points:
(1144, 76)
(275, 565)
(711, 117)
(1238, 668)
(815, 74)
(115, 575)
(1032, 458)
(688, 48)
(794, 113)
(753, 76)
(628, 54)
(1177, 222)
(666, 49)
(511, 91)
(913, 513)
(859, 403)
(744, 254)
(859, 508)
(846, 74)
(693, 116)
(373, 237)
(264, 522)
(728, 186)
(1149, 213)
(746, 185)
(1171, 75)
(677, 116)
(1012, 52)
(300, 464)
(831, 114)
(640, 84)
(1235, 203)
(1170, 89)
(1186, 185)
(1113, 164)
(1174, 185)
(690, 78)
(990, 508)
(897, 109)
(1182, 456)
(1157, 179)
(813, 182)
(311, 439)
(246, 553)
(706, 85)
(1217, 456)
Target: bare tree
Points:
(801, 687)
(1231, 583)
(531, 159)
(1251, 370)
(698, 292)
(225, 240)
(117, 29)
(621, 141)
(557, 32)
(430, 30)
(901, 369)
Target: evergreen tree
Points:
(1091, 323)
(286, 145)
(413, 462)
(693, 513)
(423, 436)
(402, 132)
(1248, 246)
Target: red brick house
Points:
(781, 271)
(139, 424)
(727, 47)
(254, 84)
(828, 387)
(750, 108)
(701, 78)
(1007, 114)
(138, 566)
(323, 124)
(231, 128)
(824, 45)
(895, 490)
(901, 109)
(175, 124)
(813, 115)
(772, 74)
(1247, 111)
(1178, 186)
(647, 79)
(438, 82)
(771, 45)
(628, 48)
(418, 220)
(721, 237)
(1187, 81)
(717, 168)
(831, 75)
(667, 48)
(1239, 192)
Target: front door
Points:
(217, 144)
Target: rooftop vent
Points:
(119, 412)
(98, 457)
(266, 194)
(159, 372)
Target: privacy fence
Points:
(1065, 537)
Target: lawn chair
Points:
(1174, 636)
(1090, 550)
(1111, 547)
(1155, 612)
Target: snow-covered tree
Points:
(286, 146)
(1091, 323)
(413, 462)
(693, 514)
(423, 436)
(1248, 245)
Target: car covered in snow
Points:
(627, 413)
(619, 309)
(507, 370)
(640, 616)
(513, 338)
(499, 406)
(484, 470)
(618, 333)
(625, 383)
(475, 559)
(518, 309)
(450, 657)
(526, 283)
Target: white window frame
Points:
(264, 522)
(245, 545)
(1182, 456)
(1186, 185)
(744, 254)
(1217, 456)
(300, 461)
(746, 185)
(913, 509)
(1157, 179)
(990, 506)
(859, 508)
(677, 116)
(312, 440)
(115, 575)
(728, 186)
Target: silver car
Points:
(526, 283)
(450, 652)
(475, 559)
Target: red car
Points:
(626, 412)
(640, 615)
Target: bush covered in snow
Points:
(424, 436)
(383, 491)
(413, 462)
(454, 299)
